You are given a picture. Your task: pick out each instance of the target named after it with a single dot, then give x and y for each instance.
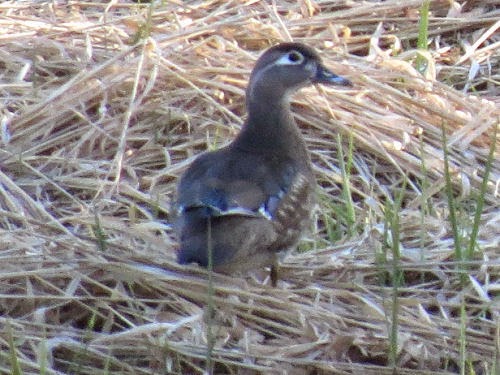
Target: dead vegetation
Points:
(104, 103)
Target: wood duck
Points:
(253, 198)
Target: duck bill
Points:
(325, 76)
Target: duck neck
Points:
(270, 128)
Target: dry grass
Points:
(95, 131)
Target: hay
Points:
(96, 129)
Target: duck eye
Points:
(291, 58)
(295, 57)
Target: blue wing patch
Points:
(218, 206)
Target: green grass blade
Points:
(482, 193)
(14, 362)
(450, 198)
(396, 273)
(345, 167)
(210, 301)
(423, 36)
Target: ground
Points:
(105, 103)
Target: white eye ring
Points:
(291, 58)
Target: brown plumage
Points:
(257, 193)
